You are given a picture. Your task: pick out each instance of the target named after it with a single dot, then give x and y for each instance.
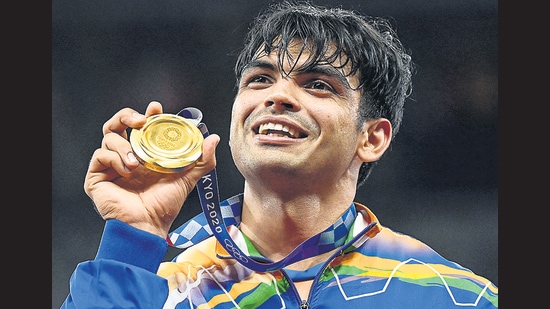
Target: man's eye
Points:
(320, 85)
(256, 82)
(257, 79)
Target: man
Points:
(320, 97)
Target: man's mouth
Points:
(279, 130)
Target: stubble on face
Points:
(335, 114)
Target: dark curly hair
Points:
(370, 46)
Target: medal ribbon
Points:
(213, 222)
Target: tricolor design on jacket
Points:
(375, 268)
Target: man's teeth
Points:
(266, 127)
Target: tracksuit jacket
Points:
(375, 268)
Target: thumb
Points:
(208, 158)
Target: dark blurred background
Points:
(438, 182)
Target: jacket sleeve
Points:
(123, 273)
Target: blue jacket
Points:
(376, 268)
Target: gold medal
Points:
(167, 143)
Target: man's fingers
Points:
(122, 147)
(116, 154)
(153, 108)
(123, 119)
(129, 118)
(103, 161)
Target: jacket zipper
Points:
(305, 304)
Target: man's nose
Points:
(284, 95)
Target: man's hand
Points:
(121, 188)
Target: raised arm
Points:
(121, 188)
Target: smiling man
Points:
(320, 97)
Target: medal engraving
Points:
(167, 143)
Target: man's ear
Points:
(374, 140)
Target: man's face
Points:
(303, 125)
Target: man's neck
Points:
(277, 224)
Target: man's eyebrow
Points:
(326, 70)
(329, 71)
(262, 64)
